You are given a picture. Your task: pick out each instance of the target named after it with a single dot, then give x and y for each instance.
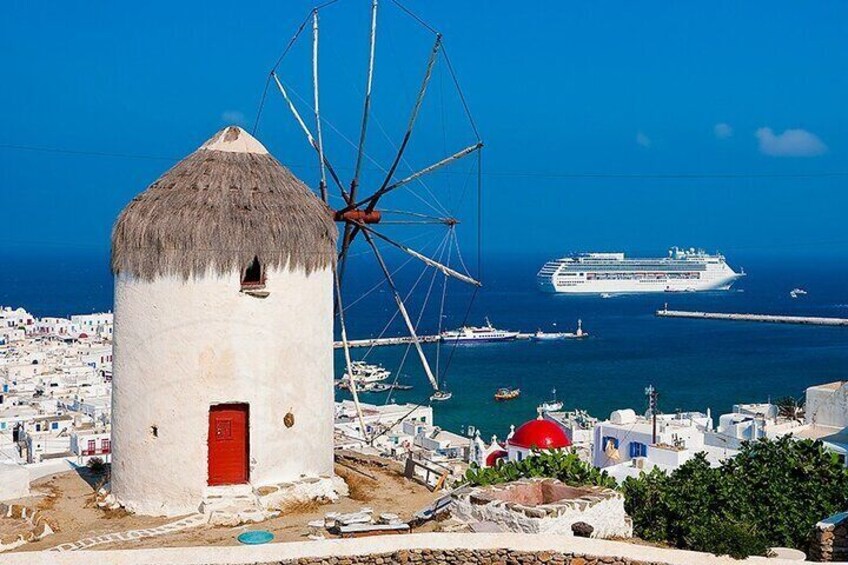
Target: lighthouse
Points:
(223, 335)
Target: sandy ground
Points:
(67, 500)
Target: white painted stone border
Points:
(185, 523)
(242, 555)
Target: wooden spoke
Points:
(402, 309)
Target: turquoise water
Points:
(695, 364)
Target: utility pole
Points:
(652, 395)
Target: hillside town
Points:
(55, 415)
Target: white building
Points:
(826, 417)
(440, 445)
(13, 321)
(223, 332)
(750, 422)
(579, 426)
(99, 324)
(385, 426)
(47, 437)
(89, 442)
(624, 445)
(59, 327)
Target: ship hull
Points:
(477, 340)
(611, 273)
(636, 287)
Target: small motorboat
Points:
(552, 405)
(547, 336)
(506, 393)
(606, 295)
(796, 292)
(440, 396)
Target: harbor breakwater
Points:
(765, 318)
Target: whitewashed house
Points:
(389, 421)
(826, 417)
(59, 327)
(624, 444)
(440, 445)
(47, 437)
(89, 442)
(750, 422)
(99, 324)
(16, 319)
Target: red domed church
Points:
(535, 435)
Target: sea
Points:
(694, 364)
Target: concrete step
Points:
(232, 505)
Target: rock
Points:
(388, 518)
(582, 529)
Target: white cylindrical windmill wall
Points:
(189, 335)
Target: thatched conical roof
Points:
(217, 209)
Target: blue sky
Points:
(614, 89)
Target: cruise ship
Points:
(611, 273)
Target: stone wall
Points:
(830, 539)
(466, 556)
(545, 506)
(409, 549)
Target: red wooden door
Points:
(228, 444)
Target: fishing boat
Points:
(478, 334)
(552, 405)
(506, 393)
(441, 396)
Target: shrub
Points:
(556, 464)
(770, 494)
(96, 465)
(723, 537)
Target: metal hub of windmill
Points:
(359, 212)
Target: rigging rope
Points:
(408, 295)
(420, 316)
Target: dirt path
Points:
(67, 500)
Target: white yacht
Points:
(478, 334)
(365, 375)
(612, 273)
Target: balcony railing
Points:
(103, 451)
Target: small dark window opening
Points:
(253, 276)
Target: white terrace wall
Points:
(443, 549)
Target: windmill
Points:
(361, 209)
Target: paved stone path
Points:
(183, 524)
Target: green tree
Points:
(770, 494)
